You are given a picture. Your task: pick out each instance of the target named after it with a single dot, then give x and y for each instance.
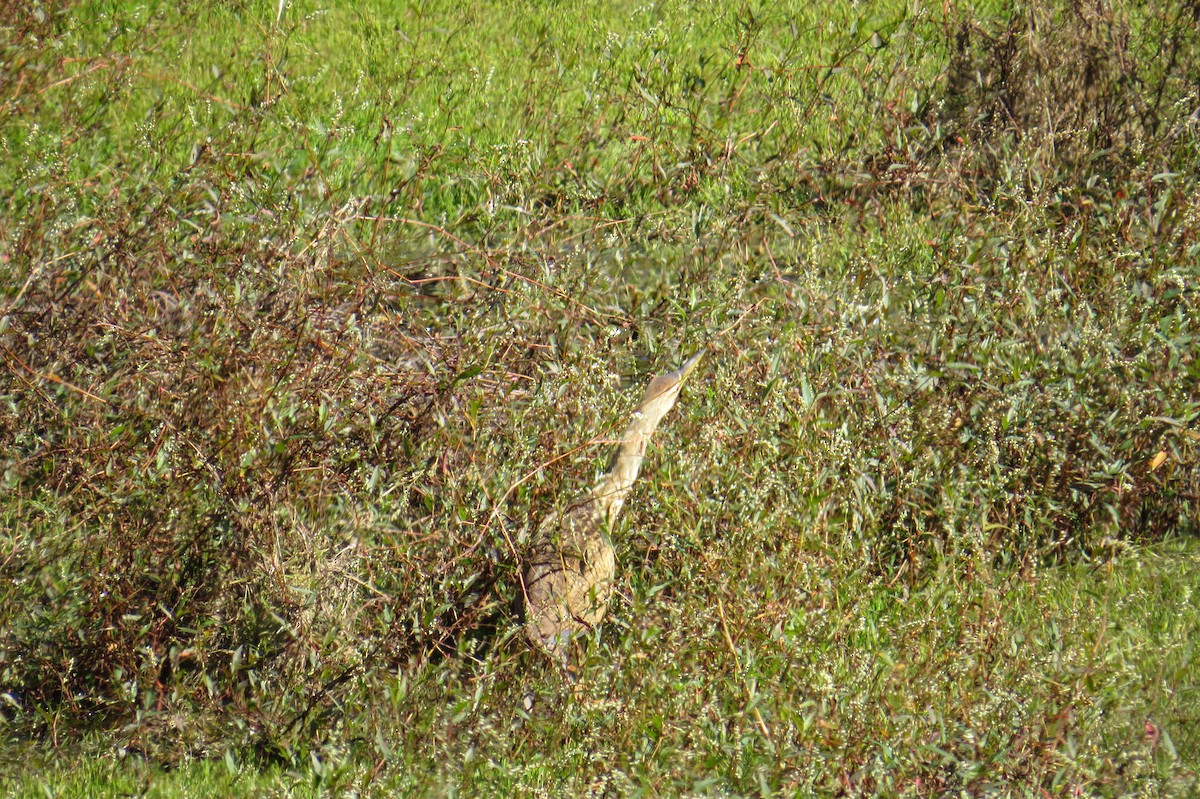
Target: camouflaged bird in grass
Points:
(569, 577)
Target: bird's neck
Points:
(614, 487)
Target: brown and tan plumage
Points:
(569, 577)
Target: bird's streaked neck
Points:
(614, 487)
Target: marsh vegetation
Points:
(307, 319)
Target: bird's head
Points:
(664, 389)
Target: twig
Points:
(504, 499)
(746, 313)
(53, 378)
(762, 725)
(197, 90)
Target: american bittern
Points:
(569, 578)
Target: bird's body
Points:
(569, 577)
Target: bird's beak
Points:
(688, 366)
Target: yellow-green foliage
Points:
(306, 321)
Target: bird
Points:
(568, 577)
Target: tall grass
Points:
(307, 322)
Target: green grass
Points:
(306, 324)
(1052, 675)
